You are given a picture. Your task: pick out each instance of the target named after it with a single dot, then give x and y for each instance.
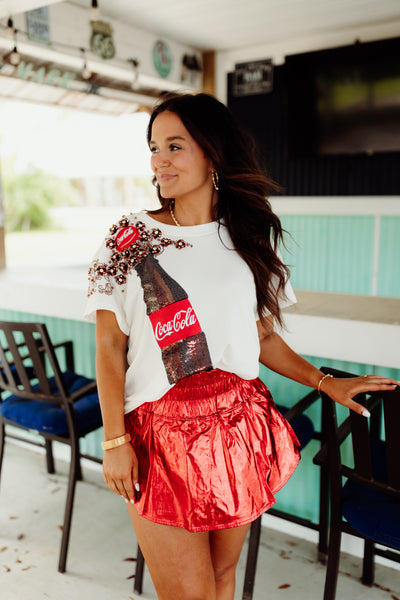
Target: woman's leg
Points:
(179, 562)
(226, 545)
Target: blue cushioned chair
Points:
(368, 503)
(36, 395)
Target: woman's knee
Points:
(225, 574)
(190, 590)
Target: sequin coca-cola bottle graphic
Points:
(176, 327)
(175, 324)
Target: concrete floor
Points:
(102, 546)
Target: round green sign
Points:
(162, 58)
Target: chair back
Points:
(36, 396)
(27, 354)
(383, 424)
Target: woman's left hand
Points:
(343, 390)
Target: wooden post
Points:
(208, 60)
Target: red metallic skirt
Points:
(212, 452)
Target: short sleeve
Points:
(106, 289)
(286, 296)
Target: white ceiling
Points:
(230, 24)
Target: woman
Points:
(190, 293)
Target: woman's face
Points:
(177, 160)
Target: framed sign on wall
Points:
(162, 58)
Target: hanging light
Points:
(135, 64)
(10, 28)
(86, 73)
(15, 57)
(94, 11)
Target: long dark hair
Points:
(243, 190)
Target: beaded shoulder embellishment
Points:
(130, 244)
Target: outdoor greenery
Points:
(28, 197)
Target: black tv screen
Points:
(345, 100)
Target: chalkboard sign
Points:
(253, 78)
(38, 26)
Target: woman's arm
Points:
(279, 357)
(120, 467)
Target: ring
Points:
(365, 375)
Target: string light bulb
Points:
(94, 10)
(86, 73)
(135, 64)
(10, 28)
(15, 57)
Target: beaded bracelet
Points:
(321, 380)
(115, 442)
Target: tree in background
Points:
(29, 196)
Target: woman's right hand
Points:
(120, 471)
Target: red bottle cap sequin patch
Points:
(126, 237)
(174, 322)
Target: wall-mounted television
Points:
(344, 100)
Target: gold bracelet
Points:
(114, 443)
(321, 380)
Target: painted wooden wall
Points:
(336, 253)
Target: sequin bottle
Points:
(176, 327)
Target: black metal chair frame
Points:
(37, 351)
(362, 433)
(321, 526)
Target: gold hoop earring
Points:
(215, 179)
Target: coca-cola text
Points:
(174, 322)
(126, 237)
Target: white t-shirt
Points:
(183, 296)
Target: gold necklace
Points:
(171, 212)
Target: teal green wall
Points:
(335, 253)
(389, 257)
